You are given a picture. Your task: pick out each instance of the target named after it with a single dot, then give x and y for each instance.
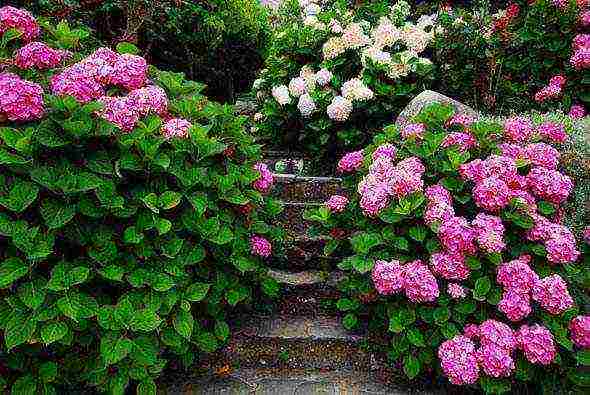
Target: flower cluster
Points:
(461, 359)
(580, 58)
(260, 246)
(176, 127)
(350, 162)
(20, 100)
(39, 55)
(265, 182)
(414, 278)
(21, 20)
(551, 91)
(337, 203)
(580, 331)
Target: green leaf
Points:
(53, 331)
(169, 200)
(362, 264)
(235, 296)
(363, 242)
(494, 386)
(20, 328)
(132, 236)
(145, 320)
(583, 357)
(197, 291)
(151, 202)
(184, 323)
(77, 306)
(20, 197)
(55, 214)
(346, 304)
(146, 388)
(411, 366)
(11, 270)
(482, 287)
(546, 208)
(221, 330)
(127, 48)
(163, 226)
(24, 385)
(114, 349)
(48, 371)
(270, 286)
(350, 321)
(112, 272)
(32, 294)
(441, 315)
(207, 342)
(418, 233)
(415, 337)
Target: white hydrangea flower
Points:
(335, 26)
(356, 90)
(426, 21)
(258, 117)
(376, 55)
(257, 84)
(340, 109)
(308, 75)
(415, 38)
(281, 94)
(354, 36)
(323, 77)
(314, 22)
(297, 87)
(312, 9)
(385, 34)
(334, 47)
(306, 105)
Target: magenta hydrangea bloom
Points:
(337, 203)
(580, 331)
(176, 127)
(438, 194)
(450, 266)
(265, 181)
(463, 141)
(412, 165)
(438, 212)
(385, 150)
(456, 235)
(259, 246)
(494, 361)
(550, 185)
(587, 235)
(515, 305)
(561, 248)
(119, 112)
(21, 20)
(458, 360)
(20, 100)
(351, 162)
(461, 120)
(543, 155)
(518, 129)
(129, 71)
(148, 100)
(552, 294)
(74, 82)
(471, 331)
(419, 283)
(497, 334)
(537, 343)
(388, 277)
(373, 203)
(489, 232)
(552, 131)
(404, 182)
(456, 291)
(473, 171)
(577, 111)
(38, 55)
(413, 130)
(517, 275)
(491, 194)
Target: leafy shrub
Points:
(507, 61)
(457, 258)
(123, 244)
(219, 42)
(335, 75)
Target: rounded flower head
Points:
(350, 162)
(491, 194)
(388, 277)
(489, 232)
(281, 94)
(456, 291)
(517, 275)
(497, 334)
(176, 127)
(38, 55)
(518, 129)
(419, 283)
(495, 362)
(549, 184)
(577, 111)
(339, 109)
(323, 77)
(552, 131)
(543, 155)
(306, 105)
(552, 294)
(537, 344)
(356, 90)
(587, 235)
(129, 71)
(260, 246)
(384, 150)
(458, 360)
(120, 112)
(297, 87)
(463, 141)
(413, 130)
(265, 181)
(515, 305)
(148, 100)
(450, 266)
(471, 331)
(21, 20)
(456, 235)
(580, 331)
(337, 203)
(20, 100)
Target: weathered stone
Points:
(294, 188)
(245, 107)
(307, 277)
(428, 97)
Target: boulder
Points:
(428, 97)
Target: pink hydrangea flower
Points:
(473, 171)
(585, 18)
(119, 112)
(74, 82)
(259, 246)
(550, 185)
(176, 127)
(501, 167)
(21, 20)
(412, 165)
(497, 334)
(450, 266)
(495, 362)
(351, 162)
(151, 99)
(461, 120)
(471, 331)
(374, 201)
(515, 305)
(537, 344)
(580, 59)
(518, 129)
(265, 181)
(337, 203)
(458, 360)
(129, 71)
(491, 194)
(38, 55)
(577, 111)
(404, 182)
(20, 100)
(413, 130)
(580, 331)
(463, 141)
(489, 232)
(552, 131)
(552, 294)
(456, 235)
(513, 151)
(562, 249)
(419, 283)
(388, 277)
(385, 151)
(543, 155)
(517, 275)
(456, 291)
(587, 235)
(438, 194)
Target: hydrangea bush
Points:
(132, 215)
(458, 258)
(336, 73)
(530, 55)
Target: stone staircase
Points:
(301, 347)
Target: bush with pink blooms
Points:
(134, 215)
(457, 255)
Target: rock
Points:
(428, 97)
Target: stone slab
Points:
(306, 277)
(304, 189)
(428, 97)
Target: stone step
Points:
(306, 253)
(305, 189)
(290, 382)
(292, 217)
(295, 342)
